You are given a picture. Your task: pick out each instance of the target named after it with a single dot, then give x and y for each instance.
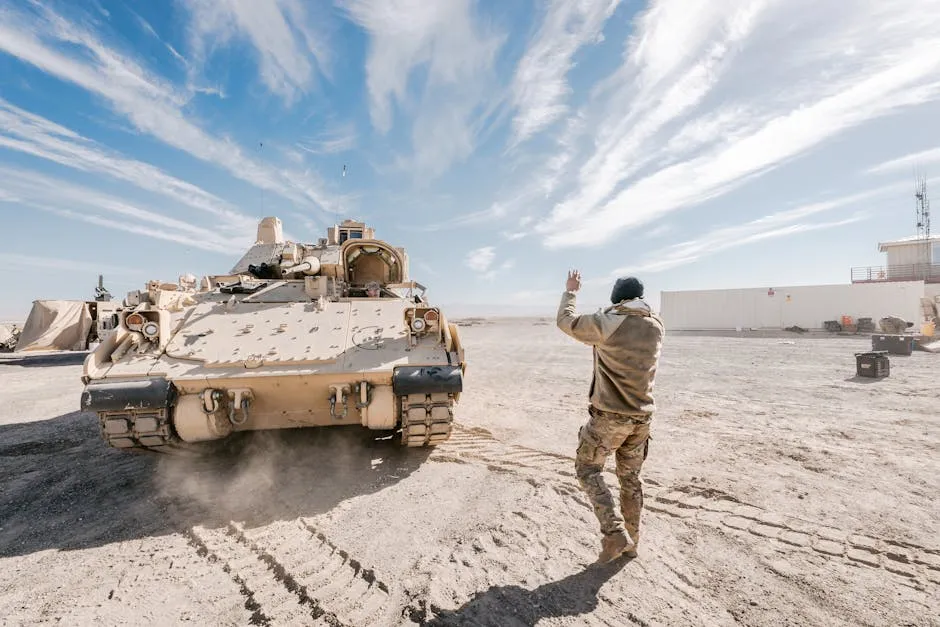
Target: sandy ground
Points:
(780, 490)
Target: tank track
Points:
(426, 419)
(149, 431)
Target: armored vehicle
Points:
(68, 325)
(295, 335)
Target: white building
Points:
(912, 273)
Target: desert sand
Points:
(780, 490)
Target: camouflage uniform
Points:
(627, 340)
(627, 437)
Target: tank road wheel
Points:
(427, 399)
(149, 431)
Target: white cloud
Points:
(536, 189)
(76, 202)
(754, 85)
(482, 261)
(459, 95)
(481, 258)
(646, 102)
(911, 162)
(144, 25)
(727, 167)
(497, 210)
(723, 239)
(659, 231)
(281, 31)
(67, 265)
(182, 59)
(152, 105)
(781, 224)
(491, 274)
(101, 9)
(539, 87)
(32, 134)
(335, 138)
(147, 28)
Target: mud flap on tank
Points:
(106, 396)
(427, 380)
(133, 414)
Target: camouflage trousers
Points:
(627, 437)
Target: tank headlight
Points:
(151, 330)
(134, 321)
(418, 324)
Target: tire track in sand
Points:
(519, 571)
(290, 573)
(326, 574)
(916, 566)
(252, 584)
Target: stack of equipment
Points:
(866, 325)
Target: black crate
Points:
(833, 326)
(893, 344)
(873, 364)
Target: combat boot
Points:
(635, 539)
(613, 546)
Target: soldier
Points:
(372, 289)
(626, 339)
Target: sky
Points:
(693, 143)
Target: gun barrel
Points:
(309, 266)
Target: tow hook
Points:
(338, 395)
(364, 389)
(241, 400)
(211, 400)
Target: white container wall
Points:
(807, 306)
(912, 253)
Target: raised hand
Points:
(574, 281)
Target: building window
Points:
(935, 254)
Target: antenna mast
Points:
(923, 220)
(335, 208)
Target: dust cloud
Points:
(279, 474)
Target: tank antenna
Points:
(922, 221)
(336, 209)
(260, 152)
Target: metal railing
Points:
(927, 272)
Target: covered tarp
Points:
(56, 325)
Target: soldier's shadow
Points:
(575, 595)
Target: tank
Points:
(293, 336)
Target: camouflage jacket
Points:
(627, 342)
